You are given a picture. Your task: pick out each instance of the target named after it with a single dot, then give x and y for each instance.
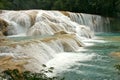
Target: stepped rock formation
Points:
(32, 53)
(36, 36)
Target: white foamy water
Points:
(95, 22)
(65, 37)
(19, 35)
(41, 22)
(64, 61)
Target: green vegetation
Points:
(102, 7)
(27, 75)
(117, 67)
(115, 24)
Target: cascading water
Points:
(54, 38)
(95, 22)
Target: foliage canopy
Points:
(101, 7)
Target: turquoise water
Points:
(21, 38)
(101, 67)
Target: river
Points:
(93, 62)
(79, 46)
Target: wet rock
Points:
(66, 13)
(3, 27)
(115, 54)
(60, 33)
(7, 62)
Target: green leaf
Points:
(43, 65)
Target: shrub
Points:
(28, 75)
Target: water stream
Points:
(79, 46)
(93, 62)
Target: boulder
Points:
(3, 27)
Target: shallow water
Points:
(93, 62)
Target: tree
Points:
(101, 7)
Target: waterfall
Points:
(95, 22)
(55, 33)
(37, 52)
(45, 22)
